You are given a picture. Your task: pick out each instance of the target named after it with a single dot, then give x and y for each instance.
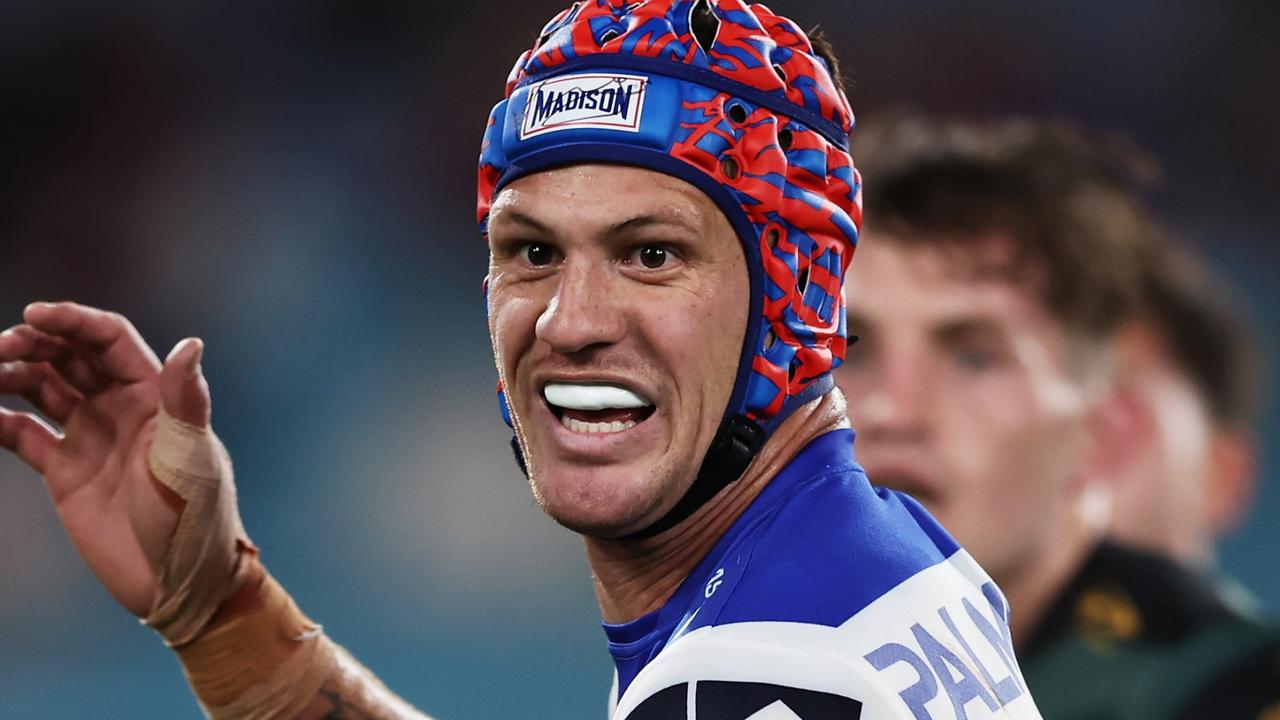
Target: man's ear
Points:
(1121, 426)
(1118, 427)
(1233, 477)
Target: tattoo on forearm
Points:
(354, 693)
(341, 709)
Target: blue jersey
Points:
(827, 598)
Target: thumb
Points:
(183, 390)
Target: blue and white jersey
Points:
(828, 598)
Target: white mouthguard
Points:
(592, 397)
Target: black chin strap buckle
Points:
(734, 447)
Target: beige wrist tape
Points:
(263, 660)
(203, 566)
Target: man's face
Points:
(618, 302)
(961, 395)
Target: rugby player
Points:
(670, 206)
(1003, 265)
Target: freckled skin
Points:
(582, 304)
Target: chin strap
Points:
(735, 445)
(515, 449)
(732, 450)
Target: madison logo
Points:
(590, 100)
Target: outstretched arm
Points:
(145, 491)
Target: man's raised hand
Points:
(145, 491)
(92, 375)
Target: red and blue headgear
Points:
(756, 122)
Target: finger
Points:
(120, 350)
(28, 438)
(23, 342)
(183, 388)
(71, 362)
(42, 386)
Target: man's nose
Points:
(585, 310)
(894, 404)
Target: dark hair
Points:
(1083, 237)
(1204, 333)
(1068, 203)
(823, 48)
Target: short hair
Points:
(1205, 333)
(1068, 202)
(1073, 205)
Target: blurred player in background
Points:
(670, 206)
(1193, 375)
(1020, 364)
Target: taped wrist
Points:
(261, 657)
(265, 659)
(203, 566)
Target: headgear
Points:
(750, 115)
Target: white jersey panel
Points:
(906, 656)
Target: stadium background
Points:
(293, 181)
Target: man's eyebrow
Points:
(948, 329)
(645, 220)
(636, 222)
(521, 218)
(962, 327)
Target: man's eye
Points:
(538, 254)
(975, 359)
(652, 256)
